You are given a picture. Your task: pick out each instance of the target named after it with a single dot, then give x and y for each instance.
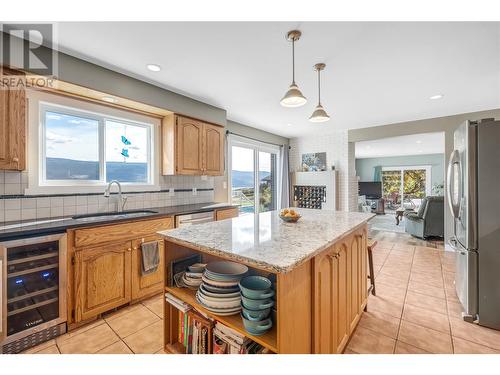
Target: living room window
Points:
(402, 185)
(84, 146)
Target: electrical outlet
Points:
(195, 191)
(204, 178)
(224, 184)
(171, 192)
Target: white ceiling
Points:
(416, 144)
(376, 73)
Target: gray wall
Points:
(365, 167)
(448, 124)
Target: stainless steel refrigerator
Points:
(474, 198)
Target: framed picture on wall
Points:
(314, 162)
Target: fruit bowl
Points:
(289, 215)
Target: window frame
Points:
(40, 103)
(256, 146)
(402, 169)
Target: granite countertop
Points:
(41, 227)
(267, 242)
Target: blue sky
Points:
(77, 138)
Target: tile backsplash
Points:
(15, 206)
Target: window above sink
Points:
(81, 146)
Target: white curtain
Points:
(285, 178)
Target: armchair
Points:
(429, 220)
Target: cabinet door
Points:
(331, 301)
(152, 283)
(213, 150)
(12, 128)
(189, 146)
(102, 279)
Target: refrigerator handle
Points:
(454, 160)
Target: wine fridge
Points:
(33, 291)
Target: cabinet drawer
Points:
(227, 213)
(120, 232)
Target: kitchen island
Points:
(319, 264)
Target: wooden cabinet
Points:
(191, 147)
(339, 292)
(213, 150)
(12, 126)
(102, 279)
(226, 213)
(143, 286)
(105, 266)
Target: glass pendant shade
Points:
(319, 114)
(293, 97)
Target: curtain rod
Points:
(254, 139)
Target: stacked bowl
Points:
(219, 291)
(256, 298)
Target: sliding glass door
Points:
(405, 185)
(253, 175)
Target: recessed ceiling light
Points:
(419, 141)
(420, 151)
(109, 99)
(154, 67)
(435, 97)
(288, 124)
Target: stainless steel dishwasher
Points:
(193, 219)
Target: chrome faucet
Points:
(121, 199)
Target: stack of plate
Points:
(192, 277)
(219, 291)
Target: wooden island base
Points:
(319, 303)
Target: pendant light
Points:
(293, 97)
(319, 114)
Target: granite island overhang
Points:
(320, 266)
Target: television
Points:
(372, 190)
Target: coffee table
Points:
(400, 213)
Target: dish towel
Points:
(150, 257)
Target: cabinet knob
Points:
(135, 248)
(129, 249)
(15, 159)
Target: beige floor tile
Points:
(384, 245)
(451, 295)
(422, 278)
(426, 318)
(349, 351)
(380, 323)
(390, 292)
(122, 311)
(43, 345)
(90, 341)
(448, 267)
(425, 338)
(395, 272)
(428, 290)
(118, 347)
(50, 350)
(161, 351)
(148, 340)
(475, 333)
(155, 305)
(434, 273)
(132, 321)
(79, 331)
(455, 309)
(366, 341)
(426, 302)
(466, 347)
(384, 305)
(389, 280)
(403, 348)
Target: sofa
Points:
(429, 220)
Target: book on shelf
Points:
(195, 332)
(177, 303)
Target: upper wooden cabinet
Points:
(191, 147)
(12, 125)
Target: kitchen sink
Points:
(114, 215)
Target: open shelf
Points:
(268, 340)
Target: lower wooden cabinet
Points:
(102, 279)
(226, 213)
(339, 295)
(106, 273)
(143, 286)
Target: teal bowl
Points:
(256, 287)
(257, 328)
(256, 304)
(255, 315)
